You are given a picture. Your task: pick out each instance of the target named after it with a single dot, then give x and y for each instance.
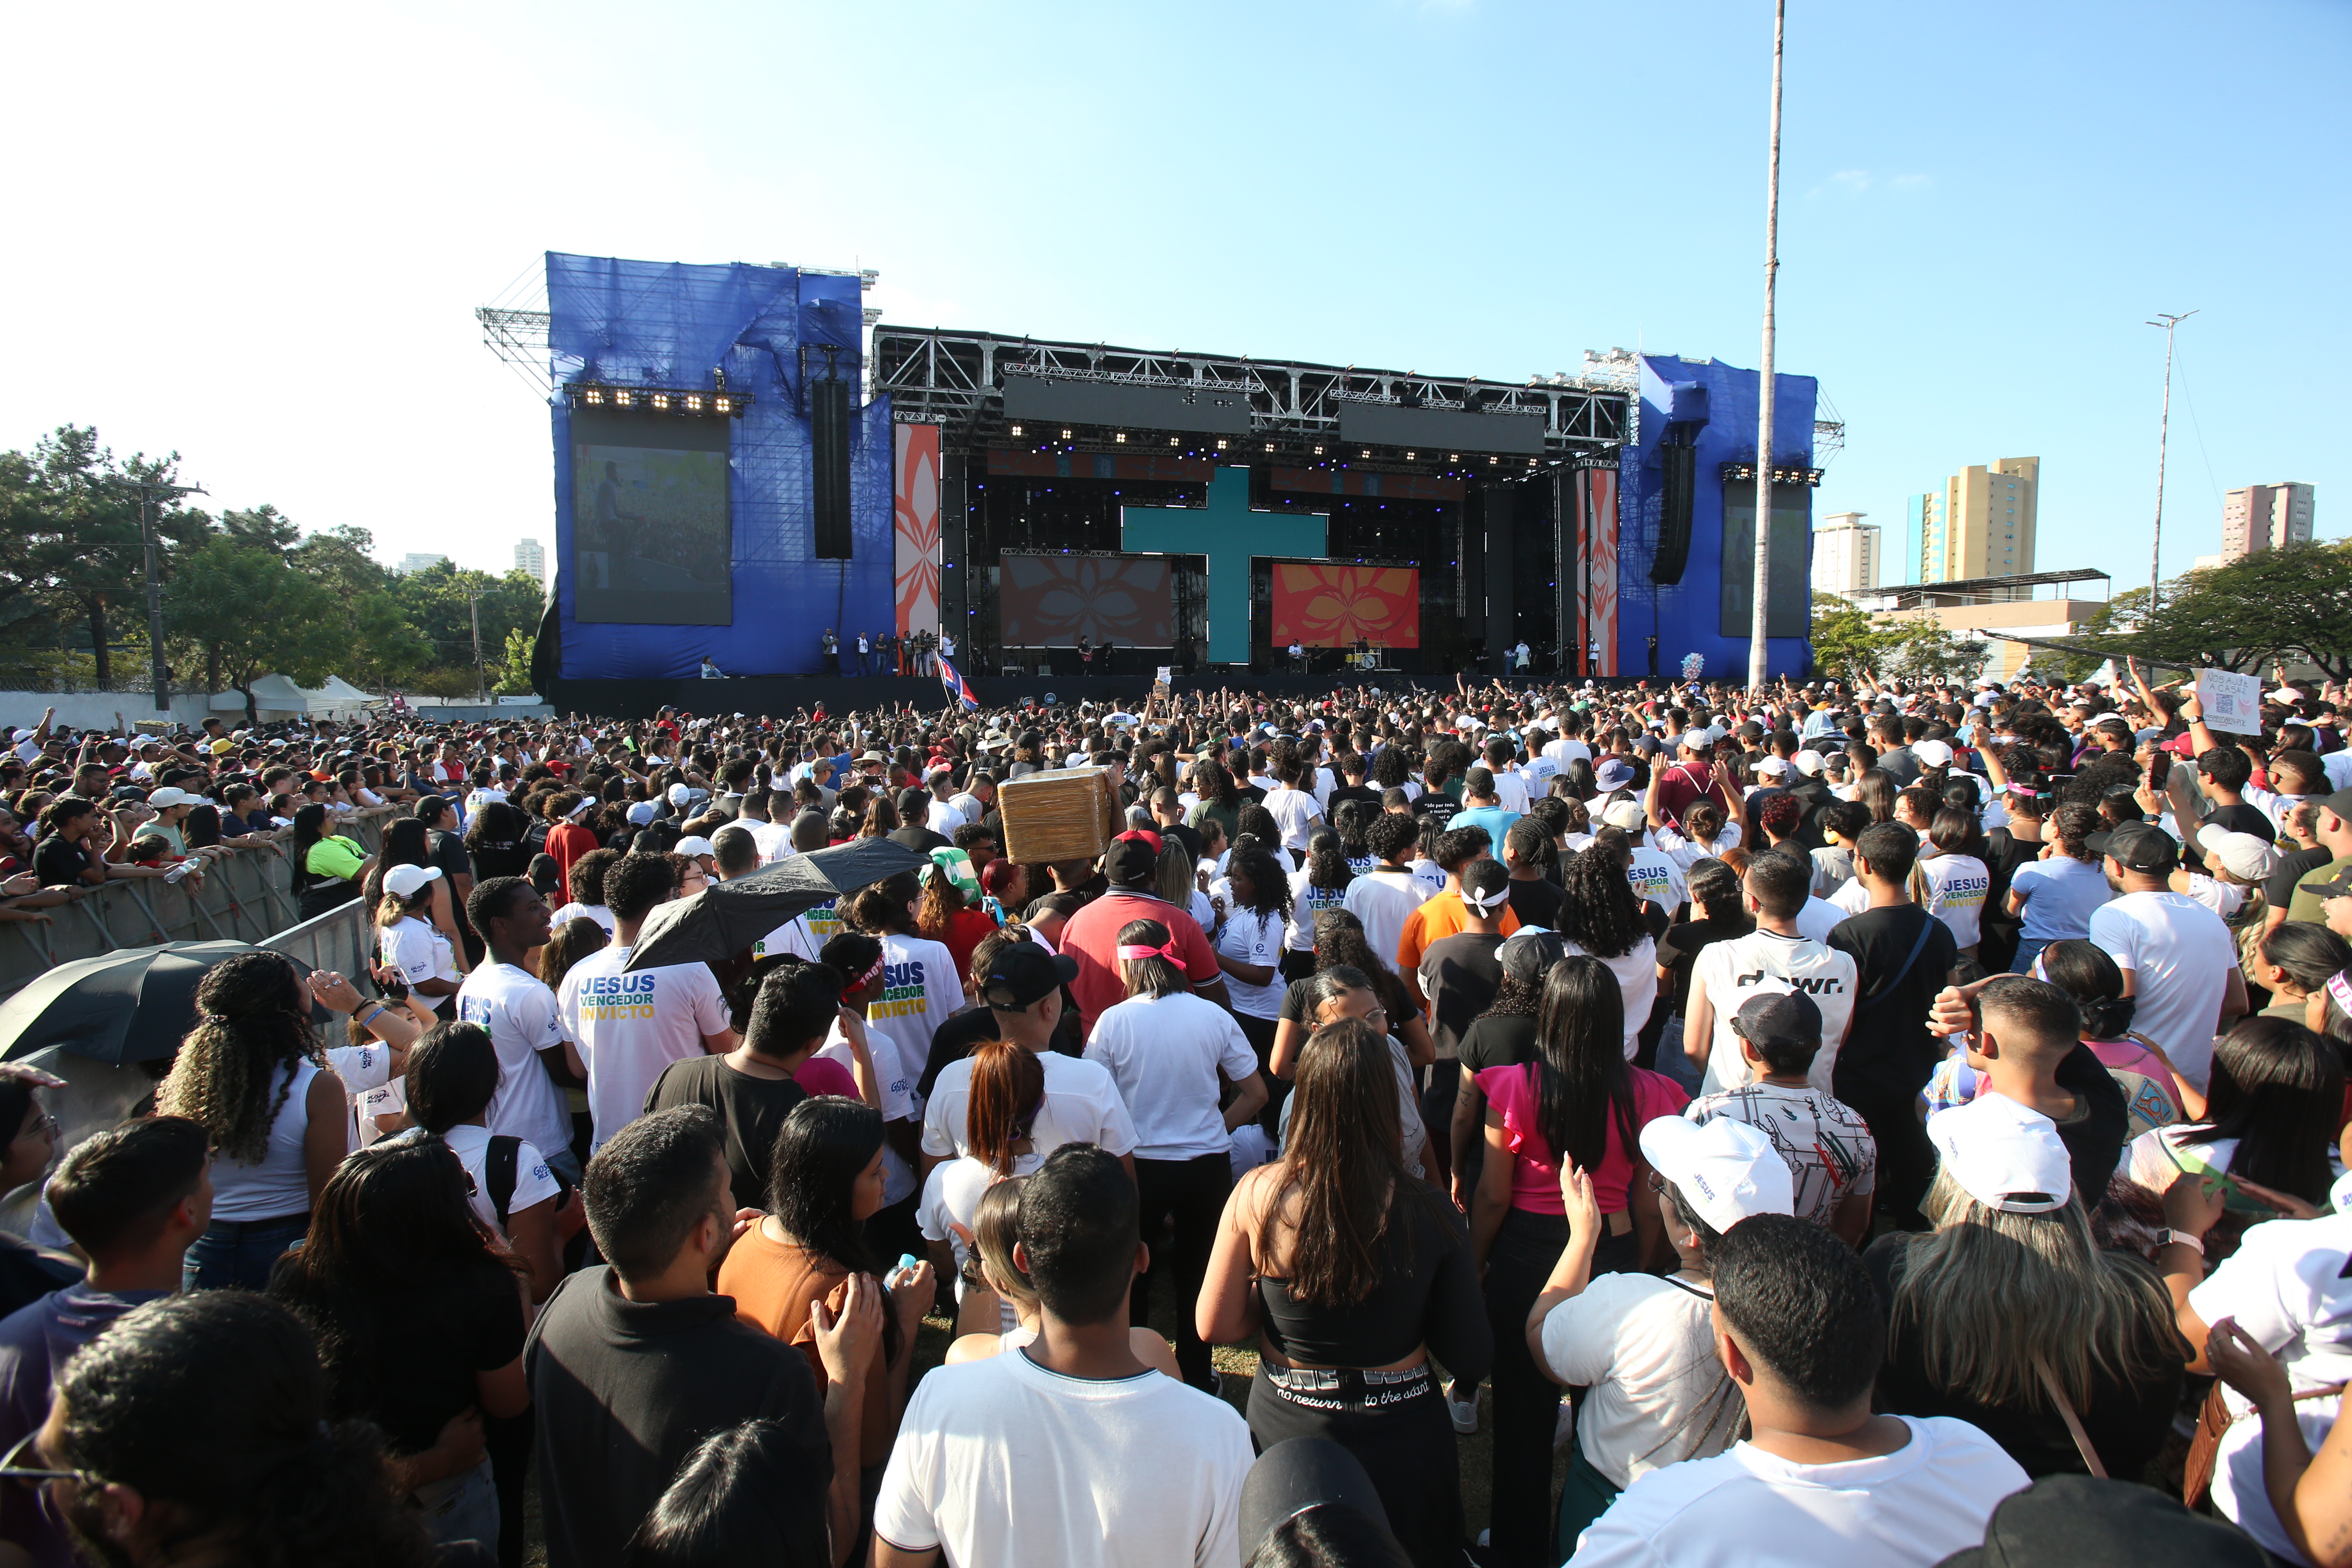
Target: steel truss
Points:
(958, 378)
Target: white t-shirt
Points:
(2180, 956)
(630, 1026)
(2061, 895)
(951, 1195)
(1001, 1461)
(1510, 792)
(1766, 962)
(2284, 1286)
(1381, 899)
(942, 818)
(1643, 1348)
(1909, 1508)
(520, 1013)
(774, 839)
(1657, 878)
(1686, 852)
(1566, 750)
(533, 1183)
(602, 915)
(921, 989)
(897, 1081)
(1307, 901)
(1956, 885)
(1165, 1053)
(417, 949)
(1293, 810)
(1082, 1105)
(1637, 979)
(1818, 919)
(793, 937)
(1254, 939)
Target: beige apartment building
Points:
(2265, 517)
(1980, 524)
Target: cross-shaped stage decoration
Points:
(1228, 530)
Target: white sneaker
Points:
(1464, 1411)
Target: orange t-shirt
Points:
(1440, 917)
(774, 1283)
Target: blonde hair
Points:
(1992, 1296)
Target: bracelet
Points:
(2168, 1238)
(379, 1011)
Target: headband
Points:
(1487, 901)
(1167, 950)
(863, 981)
(2341, 990)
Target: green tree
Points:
(514, 665)
(254, 614)
(1846, 639)
(1922, 650)
(440, 600)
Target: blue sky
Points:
(256, 234)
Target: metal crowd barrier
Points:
(248, 897)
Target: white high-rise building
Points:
(1845, 555)
(530, 557)
(413, 563)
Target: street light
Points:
(2163, 435)
(148, 491)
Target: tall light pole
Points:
(2163, 435)
(1763, 584)
(148, 491)
(481, 682)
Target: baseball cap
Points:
(1612, 774)
(1774, 767)
(1778, 1018)
(2137, 846)
(1129, 861)
(694, 844)
(2081, 1521)
(1024, 972)
(679, 794)
(403, 881)
(1932, 754)
(1726, 1170)
(2243, 854)
(1143, 836)
(223, 746)
(2340, 802)
(2003, 1154)
(169, 796)
(642, 813)
(1625, 813)
(1528, 953)
(1811, 762)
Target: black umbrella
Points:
(129, 1005)
(725, 919)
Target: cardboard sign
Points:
(1167, 673)
(2233, 703)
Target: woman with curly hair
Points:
(251, 1074)
(1318, 886)
(1219, 798)
(1600, 917)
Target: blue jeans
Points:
(463, 1508)
(2028, 949)
(240, 1253)
(1675, 1063)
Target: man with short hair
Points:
(633, 1363)
(1091, 937)
(623, 1028)
(1832, 1160)
(2025, 1036)
(1119, 1466)
(518, 1011)
(1772, 959)
(1442, 914)
(2179, 959)
(1820, 1479)
(132, 1198)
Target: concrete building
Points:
(413, 563)
(1980, 524)
(2263, 517)
(1993, 609)
(1846, 554)
(532, 557)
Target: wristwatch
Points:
(2194, 1243)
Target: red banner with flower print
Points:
(915, 500)
(1052, 601)
(1327, 604)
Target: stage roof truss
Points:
(957, 378)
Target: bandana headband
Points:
(1487, 902)
(1167, 950)
(863, 981)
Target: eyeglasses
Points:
(31, 1475)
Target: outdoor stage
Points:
(781, 696)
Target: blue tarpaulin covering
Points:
(678, 326)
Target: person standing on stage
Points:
(865, 655)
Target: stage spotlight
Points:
(661, 400)
(1408, 456)
(1121, 437)
(1269, 446)
(723, 404)
(620, 397)
(1454, 456)
(1365, 453)
(1175, 440)
(594, 394)
(1016, 429)
(694, 403)
(1220, 443)
(1492, 461)
(1318, 451)
(1066, 435)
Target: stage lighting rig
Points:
(657, 400)
(1780, 476)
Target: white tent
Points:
(276, 697)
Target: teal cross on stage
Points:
(1228, 531)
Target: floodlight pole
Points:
(2163, 436)
(481, 682)
(1763, 573)
(148, 491)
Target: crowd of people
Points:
(1843, 1121)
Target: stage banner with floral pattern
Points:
(1327, 604)
(914, 497)
(1051, 601)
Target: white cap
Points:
(1774, 767)
(1625, 813)
(1726, 1170)
(2243, 854)
(403, 881)
(1932, 754)
(695, 843)
(168, 797)
(2003, 1154)
(642, 813)
(679, 794)
(588, 802)
(1811, 762)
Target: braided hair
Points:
(253, 1018)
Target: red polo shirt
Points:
(1091, 940)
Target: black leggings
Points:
(1396, 1426)
(1193, 1192)
(1259, 1033)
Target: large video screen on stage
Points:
(1051, 601)
(650, 540)
(1331, 604)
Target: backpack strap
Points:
(498, 1171)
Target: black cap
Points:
(2141, 846)
(1130, 862)
(1778, 1018)
(1022, 974)
(2076, 1521)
